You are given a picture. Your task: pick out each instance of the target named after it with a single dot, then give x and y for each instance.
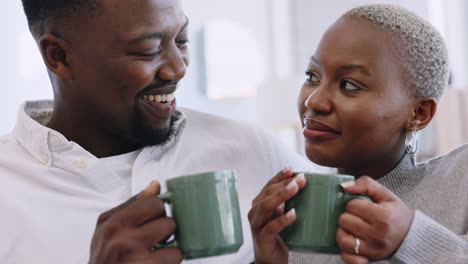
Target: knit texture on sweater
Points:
(438, 192)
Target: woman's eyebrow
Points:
(354, 67)
(346, 67)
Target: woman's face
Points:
(355, 103)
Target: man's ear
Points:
(56, 53)
(422, 113)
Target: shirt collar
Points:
(40, 141)
(32, 134)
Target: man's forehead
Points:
(144, 11)
(135, 5)
(152, 35)
(132, 18)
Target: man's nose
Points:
(174, 66)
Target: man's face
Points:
(126, 65)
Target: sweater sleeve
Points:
(430, 242)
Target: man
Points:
(111, 130)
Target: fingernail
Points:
(347, 184)
(300, 177)
(291, 213)
(149, 189)
(151, 185)
(288, 168)
(291, 186)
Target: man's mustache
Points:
(159, 84)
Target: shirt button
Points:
(45, 159)
(82, 164)
(54, 140)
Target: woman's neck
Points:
(376, 168)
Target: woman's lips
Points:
(315, 130)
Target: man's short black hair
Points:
(39, 11)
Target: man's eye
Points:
(152, 52)
(312, 77)
(182, 43)
(349, 86)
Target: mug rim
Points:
(202, 177)
(338, 175)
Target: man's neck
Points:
(92, 138)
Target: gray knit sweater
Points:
(438, 191)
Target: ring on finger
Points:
(356, 247)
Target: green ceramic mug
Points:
(206, 210)
(318, 206)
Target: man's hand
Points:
(127, 233)
(267, 218)
(381, 226)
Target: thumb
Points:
(153, 189)
(366, 185)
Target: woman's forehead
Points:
(353, 42)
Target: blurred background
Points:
(248, 62)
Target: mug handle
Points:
(167, 198)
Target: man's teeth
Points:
(164, 98)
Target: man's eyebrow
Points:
(314, 60)
(157, 35)
(184, 26)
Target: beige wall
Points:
(450, 123)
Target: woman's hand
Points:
(267, 217)
(380, 226)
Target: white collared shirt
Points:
(53, 190)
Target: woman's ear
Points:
(422, 114)
(56, 53)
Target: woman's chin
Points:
(322, 158)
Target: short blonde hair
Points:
(421, 48)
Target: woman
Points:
(374, 81)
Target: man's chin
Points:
(147, 135)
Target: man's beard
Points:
(145, 135)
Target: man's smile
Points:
(164, 98)
(160, 106)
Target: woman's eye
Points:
(349, 86)
(312, 77)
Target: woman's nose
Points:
(319, 101)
